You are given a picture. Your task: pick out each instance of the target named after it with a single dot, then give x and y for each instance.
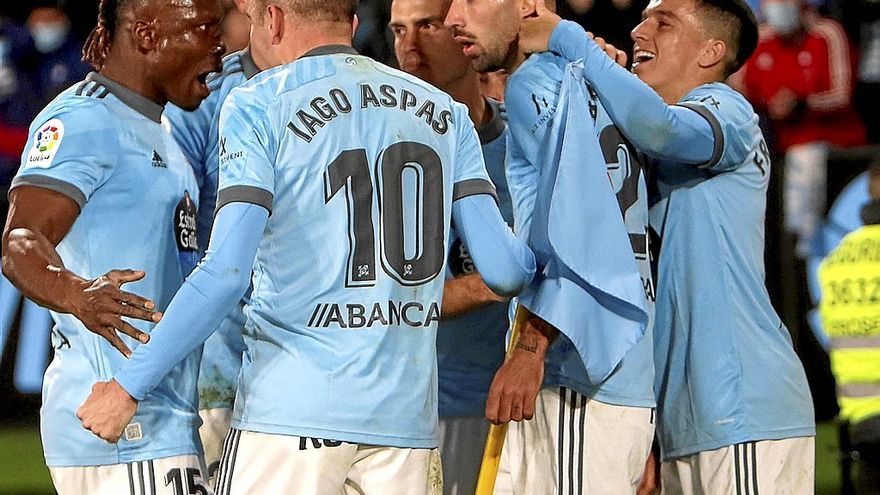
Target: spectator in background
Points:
(59, 59)
(16, 49)
(867, 13)
(610, 19)
(801, 77)
(850, 313)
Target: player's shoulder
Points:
(546, 69)
(237, 67)
(722, 100)
(83, 106)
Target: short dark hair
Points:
(319, 10)
(734, 22)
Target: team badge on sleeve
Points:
(47, 140)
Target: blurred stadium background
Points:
(40, 55)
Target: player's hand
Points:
(535, 31)
(650, 483)
(107, 410)
(101, 304)
(619, 56)
(782, 104)
(517, 383)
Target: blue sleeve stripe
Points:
(473, 187)
(59, 186)
(244, 194)
(718, 150)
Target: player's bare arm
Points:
(38, 220)
(515, 387)
(466, 293)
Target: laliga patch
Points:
(186, 233)
(133, 432)
(47, 140)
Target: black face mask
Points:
(871, 212)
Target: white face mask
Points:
(783, 17)
(49, 37)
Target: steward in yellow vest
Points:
(850, 312)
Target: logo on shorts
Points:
(46, 143)
(133, 432)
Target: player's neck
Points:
(133, 76)
(467, 91)
(305, 37)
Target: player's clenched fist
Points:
(101, 304)
(107, 410)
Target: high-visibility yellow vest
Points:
(850, 312)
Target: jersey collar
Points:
(147, 108)
(490, 131)
(248, 66)
(329, 50)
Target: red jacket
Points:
(818, 69)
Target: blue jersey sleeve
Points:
(522, 181)
(206, 297)
(471, 176)
(71, 151)
(246, 147)
(531, 98)
(733, 123)
(668, 132)
(506, 264)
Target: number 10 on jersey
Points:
(351, 171)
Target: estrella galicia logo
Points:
(186, 233)
(157, 160)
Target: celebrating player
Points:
(735, 414)
(361, 167)
(102, 185)
(593, 420)
(470, 337)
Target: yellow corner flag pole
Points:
(495, 440)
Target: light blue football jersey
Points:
(110, 150)
(532, 98)
(470, 347)
(197, 132)
(726, 369)
(359, 165)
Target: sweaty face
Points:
(423, 45)
(487, 30)
(668, 43)
(189, 48)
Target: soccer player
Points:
(593, 419)
(735, 414)
(470, 337)
(338, 383)
(103, 185)
(197, 134)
